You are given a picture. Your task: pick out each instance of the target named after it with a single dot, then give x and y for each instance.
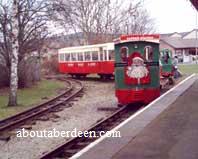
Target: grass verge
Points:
(188, 69)
(29, 97)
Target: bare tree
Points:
(139, 23)
(102, 18)
(14, 56)
(31, 30)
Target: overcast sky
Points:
(172, 15)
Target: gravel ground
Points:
(81, 115)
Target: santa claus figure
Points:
(137, 69)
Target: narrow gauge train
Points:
(137, 77)
(90, 59)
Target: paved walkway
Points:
(172, 135)
(167, 128)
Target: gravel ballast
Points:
(83, 114)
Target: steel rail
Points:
(23, 117)
(74, 145)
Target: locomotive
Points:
(137, 75)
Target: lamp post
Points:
(196, 51)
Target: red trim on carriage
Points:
(99, 67)
(141, 95)
(134, 81)
(138, 37)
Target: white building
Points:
(183, 45)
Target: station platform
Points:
(165, 129)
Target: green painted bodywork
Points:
(137, 47)
(166, 67)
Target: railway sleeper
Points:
(62, 98)
(99, 128)
(54, 116)
(5, 137)
(82, 144)
(43, 118)
(67, 153)
(80, 95)
(56, 109)
(74, 99)
(70, 103)
(88, 139)
(107, 109)
(106, 124)
(67, 105)
(27, 127)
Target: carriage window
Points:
(148, 53)
(124, 53)
(101, 53)
(73, 57)
(95, 56)
(87, 56)
(105, 55)
(67, 57)
(101, 56)
(80, 57)
(111, 55)
(61, 57)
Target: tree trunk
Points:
(14, 56)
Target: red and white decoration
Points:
(137, 68)
(136, 72)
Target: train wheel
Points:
(72, 75)
(101, 76)
(78, 76)
(119, 105)
(108, 77)
(83, 76)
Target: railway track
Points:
(74, 145)
(36, 113)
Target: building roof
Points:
(186, 40)
(183, 34)
(87, 48)
(178, 43)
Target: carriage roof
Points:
(86, 48)
(154, 38)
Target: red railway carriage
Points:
(89, 59)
